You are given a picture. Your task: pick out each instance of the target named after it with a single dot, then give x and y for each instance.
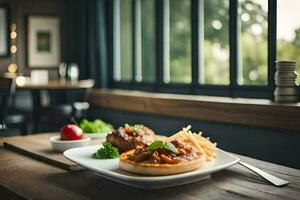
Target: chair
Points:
(59, 113)
(6, 88)
(51, 118)
(9, 117)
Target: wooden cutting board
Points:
(38, 146)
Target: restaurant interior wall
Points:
(74, 36)
(19, 10)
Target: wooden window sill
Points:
(254, 112)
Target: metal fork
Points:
(272, 179)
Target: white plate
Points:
(96, 135)
(109, 168)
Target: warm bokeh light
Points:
(20, 80)
(12, 68)
(13, 35)
(13, 49)
(13, 27)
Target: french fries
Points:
(197, 141)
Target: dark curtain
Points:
(86, 45)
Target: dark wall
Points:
(276, 146)
(20, 9)
(5, 61)
(73, 18)
(37, 7)
(75, 23)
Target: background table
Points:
(23, 177)
(54, 85)
(58, 85)
(55, 96)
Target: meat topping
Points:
(128, 137)
(163, 155)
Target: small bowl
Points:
(62, 145)
(101, 136)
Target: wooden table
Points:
(53, 85)
(24, 177)
(57, 85)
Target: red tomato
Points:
(71, 132)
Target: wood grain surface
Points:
(39, 147)
(22, 177)
(263, 113)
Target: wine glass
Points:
(73, 72)
(62, 70)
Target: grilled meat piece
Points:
(128, 137)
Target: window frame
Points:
(231, 90)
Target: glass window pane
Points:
(288, 31)
(180, 41)
(126, 39)
(253, 50)
(216, 42)
(148, 40)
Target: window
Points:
(211, 47)
(123, 50)
(148, 40)
(180, 42)
(216, 42)
(253, 50)
(288, 31)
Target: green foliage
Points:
(254, 60)
(287, 50)
(96, 126)
(148, 40)
(290, 50)
(180, 41)
(216, 9)
(126, 39)
(216, 69)
(253, 46)
(107, 151)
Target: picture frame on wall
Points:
(43, 41)
(4, 32)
